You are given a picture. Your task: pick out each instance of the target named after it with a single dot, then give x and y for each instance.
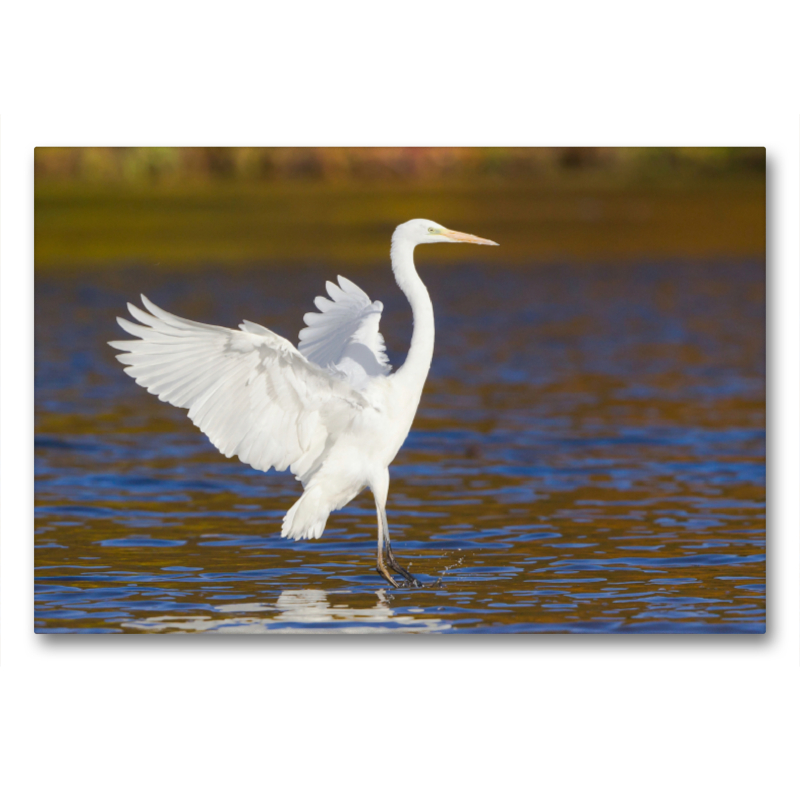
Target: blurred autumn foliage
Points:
(173, 206)
(168, 165)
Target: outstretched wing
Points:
(344, 339)
(250, 391)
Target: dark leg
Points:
(381, 565)
(383, 535)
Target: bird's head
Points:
(425, 231)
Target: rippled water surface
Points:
(588, 456)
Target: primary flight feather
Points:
(330, 410)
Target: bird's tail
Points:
(307, 517)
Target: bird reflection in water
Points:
(297, 611)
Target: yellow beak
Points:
(466, 237)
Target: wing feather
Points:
(344, 337)
(250, 391)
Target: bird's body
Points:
(330, 410)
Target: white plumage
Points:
(345, 335)
(328, 410)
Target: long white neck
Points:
(415, 370)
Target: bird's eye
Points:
(430, 230)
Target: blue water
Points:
(588, 456)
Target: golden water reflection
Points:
(588, 456)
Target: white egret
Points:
(329, 409)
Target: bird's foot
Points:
(409, 579)
(381, 570)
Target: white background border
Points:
(573, 717)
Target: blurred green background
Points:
(181, 206)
